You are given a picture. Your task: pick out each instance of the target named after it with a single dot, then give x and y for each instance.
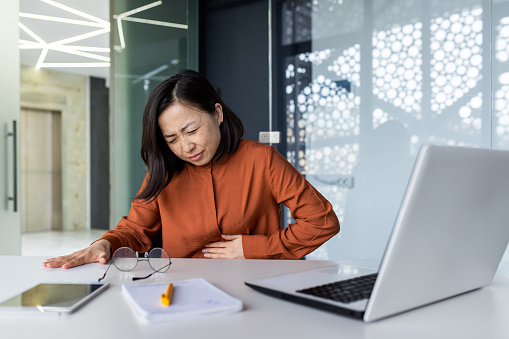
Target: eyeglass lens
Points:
(125, 259)
(159, 260)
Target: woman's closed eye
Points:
(189, 132)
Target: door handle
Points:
(14, 196)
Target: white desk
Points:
(480, 314)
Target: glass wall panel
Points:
(500, 78)
(10, 228)
(366, 83)
(150, 43)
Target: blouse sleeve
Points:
(315, 220)
(137, 229)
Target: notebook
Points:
(190, 298)
(448, 238)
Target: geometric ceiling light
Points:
(126, 16)
(64, 45)
(98, 26)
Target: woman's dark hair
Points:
(191, 89)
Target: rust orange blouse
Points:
(239, 194)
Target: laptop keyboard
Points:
(345, 291)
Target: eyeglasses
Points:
(126, 259)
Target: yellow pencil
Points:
(166, 298)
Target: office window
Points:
(366, 83)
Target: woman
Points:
(214, 194)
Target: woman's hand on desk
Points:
(230, 248)
(99, 251)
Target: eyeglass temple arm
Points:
(101, 278)
(140, 278)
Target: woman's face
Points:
(191, 134)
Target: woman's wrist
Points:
(106, 246)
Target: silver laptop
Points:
(449, 237)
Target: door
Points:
(10, 227)
(41, 170)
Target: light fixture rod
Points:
(77, 12)
(83, 54)
(41, 58)
(139, 9)
(150, 74)
(63, 20)
(32, 34)
(81, 37)
(155, 22)
(76, 64)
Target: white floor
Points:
(55, 243)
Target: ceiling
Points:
(66, 35)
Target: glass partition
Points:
(363, 84)
(500, 74)
(150, 42)
(10, 228)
